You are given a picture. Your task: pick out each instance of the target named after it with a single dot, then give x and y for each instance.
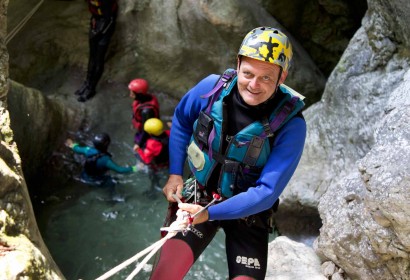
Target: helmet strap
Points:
(279, 76)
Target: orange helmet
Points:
(138, 86)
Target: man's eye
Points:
(266, 78)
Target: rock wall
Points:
(172, 43)
(324, 28)
(39, 125)
(356, 159)
(23, 253)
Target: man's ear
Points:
(283, 77)
(238, 65)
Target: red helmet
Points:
(138, 86)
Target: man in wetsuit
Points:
(243, 142)
(102, 26)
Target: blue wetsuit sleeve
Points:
(282, 162)
(186, 113)
(115, 167)
(84, 150)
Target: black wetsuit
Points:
(102, 26)
(246, 238)
(101, 30)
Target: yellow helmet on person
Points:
(267, 44)
(154, 126)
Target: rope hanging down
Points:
(183, 224)
(179, 225)
(20, 25)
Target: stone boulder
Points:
(356, 160)
(292, 260)
(341, 126)
(366, 217)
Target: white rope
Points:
(20, 25)
(177, 226)
(145, 260)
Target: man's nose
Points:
(254, 83)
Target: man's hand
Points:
(173, 186)
(69, 143)
(193, 209)
(136, 148)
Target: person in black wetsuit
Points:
(102, 26)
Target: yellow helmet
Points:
(267, 44)
(154, 126)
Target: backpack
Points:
(90, 165)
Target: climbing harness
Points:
(216, 197)
(182, 224)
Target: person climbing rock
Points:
(102, 26)
(98, 161)
(144, 107)
(155, 151)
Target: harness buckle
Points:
(230, 166)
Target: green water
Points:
(89, 230)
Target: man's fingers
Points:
(173, 186)
(179, 190)
(191, 208)
(169, 195)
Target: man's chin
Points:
(252, 100)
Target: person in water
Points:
(243, 134)
(155, 151)
(144, 107)
(98, 161)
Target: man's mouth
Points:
(253, 92)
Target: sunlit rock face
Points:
(356, 161)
